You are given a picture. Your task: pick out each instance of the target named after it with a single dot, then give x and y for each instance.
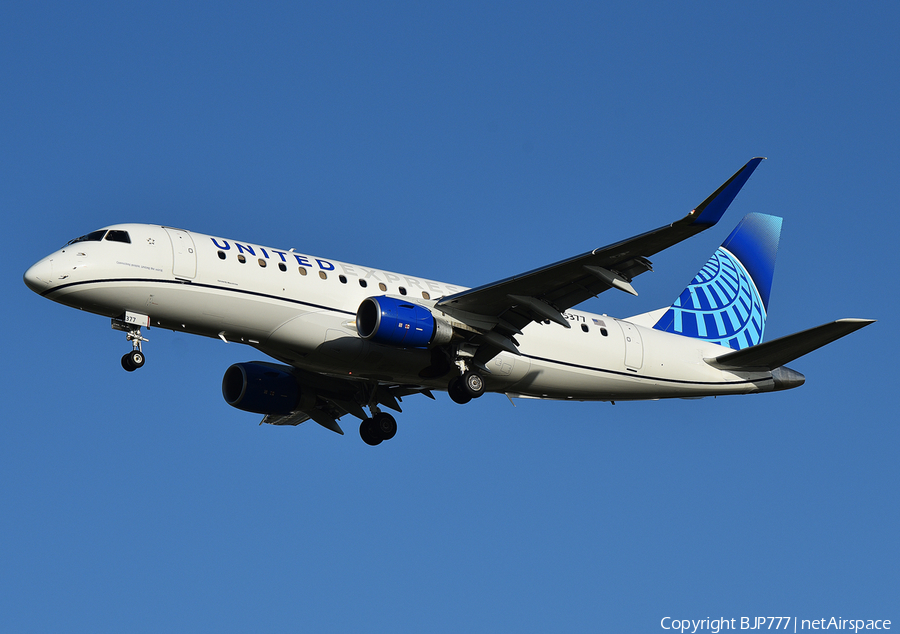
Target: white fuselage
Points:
(301, 310)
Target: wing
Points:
(500, 310)
(328, 398)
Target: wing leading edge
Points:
(501, 309)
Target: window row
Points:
(584, 327)
(364, 284)
(603, 330)
(322, 274)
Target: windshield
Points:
(115, 235)
(93, 236)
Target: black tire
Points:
(472, 384)
(385, 425)
(127, 365)
(137, 358)
(369, 433)
(457, 392)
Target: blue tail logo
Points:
(727, 301)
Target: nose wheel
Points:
(134, 359)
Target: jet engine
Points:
(397, 322)
(261, 388)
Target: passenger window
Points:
(382, 286)
(241, 258)
(302, 270)
(118, 236)
(343, 279)
(402, 291)
(584, 327)
(323, 275)
(602, 324)
(425, 295)
(282, 266)
(221, 255)
(262, 263)
(363, 283)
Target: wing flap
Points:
(294, 418)
(326, 420)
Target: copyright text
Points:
(789, 623)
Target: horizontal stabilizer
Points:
(776, 353)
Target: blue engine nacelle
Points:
(261, 388)
(397, 322)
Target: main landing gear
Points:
(134, 359)
(379, 428)
(464, 388)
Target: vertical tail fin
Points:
(727, 301)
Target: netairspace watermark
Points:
(789, 623)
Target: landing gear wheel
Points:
(457, 392)
(369, 433)
(137, 358)
(133, 360)
(385, 425)
(472, 384)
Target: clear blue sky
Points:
(465, 144)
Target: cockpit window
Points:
(115, 235)
(93, 236)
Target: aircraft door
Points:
(185, 255)
(634, 346)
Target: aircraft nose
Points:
(38, 277)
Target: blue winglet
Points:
(710, 210)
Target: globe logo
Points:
(721, 305)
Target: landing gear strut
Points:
(134, 359)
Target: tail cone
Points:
(786, 379)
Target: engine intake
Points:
(397, 322)
(261, 388)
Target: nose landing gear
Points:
(134, 359)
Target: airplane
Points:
(350, 338)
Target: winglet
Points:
(711, 210)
